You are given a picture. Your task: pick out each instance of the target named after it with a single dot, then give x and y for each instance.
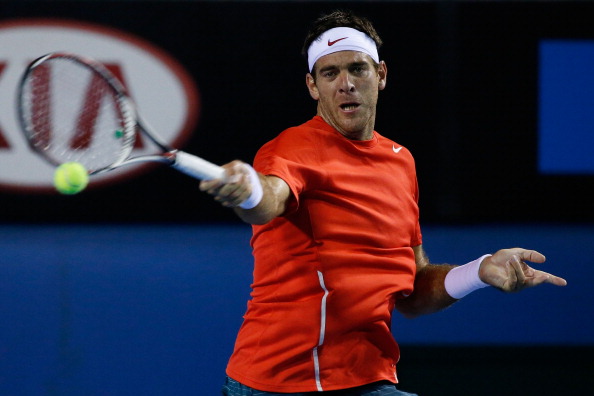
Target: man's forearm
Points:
(272, 204)
(429, 293)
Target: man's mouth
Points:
(349, 106)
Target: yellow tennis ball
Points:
(71, 178)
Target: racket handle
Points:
(197, 167)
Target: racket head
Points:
(73, 109)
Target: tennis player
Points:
(336, 237)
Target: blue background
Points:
(154, 310)
(566, 119)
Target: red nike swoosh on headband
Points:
(331, 43)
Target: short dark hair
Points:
(340, 18)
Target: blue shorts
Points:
(383, 388)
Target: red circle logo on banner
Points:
(165, 94)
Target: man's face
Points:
(346, 86)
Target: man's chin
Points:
(355, 130)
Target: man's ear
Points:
(311, 86)
(383, 75)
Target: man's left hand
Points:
(507, 270)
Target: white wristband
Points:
(257, 192)
(464, 279)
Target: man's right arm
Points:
(238, 186)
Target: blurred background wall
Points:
(137, 285)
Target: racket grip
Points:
(197, 167)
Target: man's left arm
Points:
(439, 286)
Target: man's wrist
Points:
(257, 192)
(463, 280)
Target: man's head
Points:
(339, 19)
(346, 73)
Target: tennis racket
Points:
(73, 109)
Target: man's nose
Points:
(345, 82)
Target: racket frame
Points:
(184, 162)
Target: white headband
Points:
(341, 39)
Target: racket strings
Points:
(73, 113)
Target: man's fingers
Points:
(232, 195)
(233, 189)
(210, 185)
(531, 255)
(535, 277)
(552, 279)
(234, 172)
(519, 277)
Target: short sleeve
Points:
(293, 157)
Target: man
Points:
(336, 237)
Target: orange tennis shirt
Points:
(327, 272)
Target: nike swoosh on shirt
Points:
(396, 150)
(331, 43)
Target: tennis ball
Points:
(71, 178)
